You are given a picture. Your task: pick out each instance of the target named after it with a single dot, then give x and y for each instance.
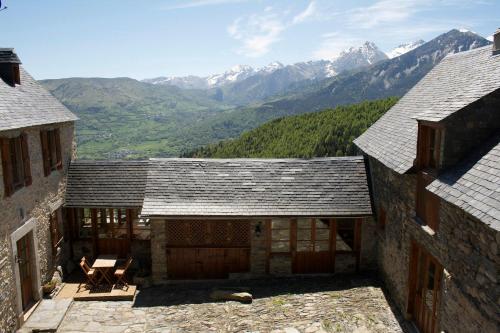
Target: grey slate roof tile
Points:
(29, 104)
(257, 187)
(474, 185)
(457, 81)
(118, 184)
(7, 55)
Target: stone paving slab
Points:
(47, 315)
(309, 305)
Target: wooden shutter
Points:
(58, 149)
(45, 153)
(6, 167)
(26, 159)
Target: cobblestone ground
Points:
(281, 305)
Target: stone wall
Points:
(258, 251)
(465, 247)
(35, 201)
(158, 251)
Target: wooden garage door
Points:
(207, 249)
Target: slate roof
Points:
(457, 81)
(7, 55)
(474, 185)
(29, 104)
(257, 187)
(118, 184)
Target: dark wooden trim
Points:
(357, 242)
(26, 159)
(268, 245)
(57, 135)
(45, 152)
(95, 236)
(6, 167)
(333, 241)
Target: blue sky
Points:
(141, 39)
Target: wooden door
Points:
(25, 270)
(207, 249)
(206, 263)
(425, 289)
(312, 250)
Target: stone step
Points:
(47, 316)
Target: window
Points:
(112, 223)
(51, 150)
(55, 230)
(427, 202)
(313, 235)
(84, 219)
(140, 226)
(429, 141)
(15, 163)
(280, 235)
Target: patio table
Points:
(104, 264)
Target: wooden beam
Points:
(293, 243)
(95, 245)
(333, 241)
(357, 242)
(268, 244)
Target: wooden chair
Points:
(121, 272)
(89, 272)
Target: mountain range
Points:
(127, 118)
(243, 84)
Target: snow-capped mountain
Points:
(236, 73)
(354, 57)
(404, 48)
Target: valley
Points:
(162, 117)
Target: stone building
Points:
(36, 147)
(434, 162)
(212, 218)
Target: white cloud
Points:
(257, 32)
(333, 43)
(308, 12)
(384, 12)
(201, 3)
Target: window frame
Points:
(51, 150)
(282, 241)
(56, 235)
(429, 145)
(14, 152)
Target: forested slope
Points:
(326, 133)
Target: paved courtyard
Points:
(320, 304)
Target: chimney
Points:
(496, 42)
(9, 67)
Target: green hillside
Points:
(125, 118)
(326, 133)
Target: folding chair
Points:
(89, 272)
(121, 273)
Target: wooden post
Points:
(357, 241)
(268, 234)
(293, 243)
(95, 245)
(333, 241)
